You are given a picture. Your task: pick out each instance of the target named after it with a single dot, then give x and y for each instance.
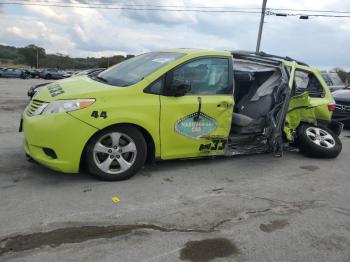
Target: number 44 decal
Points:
(95, 114)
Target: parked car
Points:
(33, 89)
(333, 81)
(13, 73)
(34, 73)
(342, 108)
(53, 73)
(180, 103)
(69, 74)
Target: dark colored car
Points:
(53, 73)
(342, 110)
(34, 73)
(333, 81)
(94, 71)
(13, 73)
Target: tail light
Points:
(331, 107)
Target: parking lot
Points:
(247, 208)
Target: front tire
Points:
(116, 153)
(318, 141)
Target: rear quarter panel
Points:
(303, 108)
(320, 104)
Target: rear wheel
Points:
(317, 141)
(116, 153)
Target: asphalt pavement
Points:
(247, 208)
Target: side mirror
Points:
(180, 88)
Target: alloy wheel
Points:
(320, 137)
(114, 153)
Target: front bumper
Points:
(62, 133)
(342, 111)
(341, 116)
(336, 127)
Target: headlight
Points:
(66, 105)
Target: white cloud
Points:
(55, 15)
(97, 32)
(15, 31)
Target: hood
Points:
(71, 88)
(341, 95)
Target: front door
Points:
(197, 123)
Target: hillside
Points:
(11, 56)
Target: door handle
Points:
(224, 105)
(196, 118)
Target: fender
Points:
(143, 121)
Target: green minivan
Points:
(180, 103)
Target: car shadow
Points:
(30, 170)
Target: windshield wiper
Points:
(99, 78)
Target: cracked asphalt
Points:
(248, 208)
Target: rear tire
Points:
(116, 153)
(318, 141)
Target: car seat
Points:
(250, 112)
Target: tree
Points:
(28, 55)
(110, 61)
(31, 54)
(344, 76)
(8, 52)
(129, 56)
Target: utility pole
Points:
(37, 58)
(263, 8)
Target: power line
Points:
(306, 15)
(57, 4)
(129, 7)
(178, 8)
(133, 5)
(111, 2)
(309, 10)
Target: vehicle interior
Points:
(259, 93)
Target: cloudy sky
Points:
(322, 42)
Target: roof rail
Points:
(265, 55)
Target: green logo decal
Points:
(194, 127)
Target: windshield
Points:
(135, 69)
(336, 79)
(332, 79)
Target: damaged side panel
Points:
(299, 110)
(263, 133)
(303, 107)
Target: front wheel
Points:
(116, 153)
(317, 141)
